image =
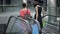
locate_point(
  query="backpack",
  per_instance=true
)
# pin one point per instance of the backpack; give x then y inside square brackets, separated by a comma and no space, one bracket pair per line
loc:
[26,15]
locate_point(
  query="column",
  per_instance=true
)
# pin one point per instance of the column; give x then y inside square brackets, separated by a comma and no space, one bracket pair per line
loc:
[25,1]
[51,4]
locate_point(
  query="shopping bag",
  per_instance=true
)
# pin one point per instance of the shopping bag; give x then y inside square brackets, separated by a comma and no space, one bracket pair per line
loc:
[44,23]
[35,29]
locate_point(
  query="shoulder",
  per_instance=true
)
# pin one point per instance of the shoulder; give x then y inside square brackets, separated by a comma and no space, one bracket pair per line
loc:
[22,9]
[36,7]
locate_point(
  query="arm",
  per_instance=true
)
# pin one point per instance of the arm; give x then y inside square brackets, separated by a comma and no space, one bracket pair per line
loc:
[20,12]
[36,13]
[42,11]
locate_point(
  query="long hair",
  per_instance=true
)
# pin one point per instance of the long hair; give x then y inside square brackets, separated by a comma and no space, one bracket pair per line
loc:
[36,3]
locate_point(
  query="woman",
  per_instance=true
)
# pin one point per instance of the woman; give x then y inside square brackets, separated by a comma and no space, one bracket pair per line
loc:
[24,11]
[38,10]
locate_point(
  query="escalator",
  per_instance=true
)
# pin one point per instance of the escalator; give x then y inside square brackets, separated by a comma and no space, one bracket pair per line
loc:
[52,26]
[11,27]
[17,25]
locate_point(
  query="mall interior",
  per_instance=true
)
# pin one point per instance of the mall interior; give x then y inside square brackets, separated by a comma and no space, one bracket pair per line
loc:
[11,23]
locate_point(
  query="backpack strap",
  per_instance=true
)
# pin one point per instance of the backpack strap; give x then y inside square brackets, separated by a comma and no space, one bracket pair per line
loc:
[26,15]
[27,11]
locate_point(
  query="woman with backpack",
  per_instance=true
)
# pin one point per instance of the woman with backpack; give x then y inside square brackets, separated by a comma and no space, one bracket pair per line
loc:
[24,11]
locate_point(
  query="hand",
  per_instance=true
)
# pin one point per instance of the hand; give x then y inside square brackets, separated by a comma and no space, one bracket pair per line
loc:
[43,14]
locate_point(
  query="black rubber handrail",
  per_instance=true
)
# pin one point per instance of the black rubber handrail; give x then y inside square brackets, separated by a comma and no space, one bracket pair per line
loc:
[10,19]
[48,15]
[51,16]
[42,17]
[45,16]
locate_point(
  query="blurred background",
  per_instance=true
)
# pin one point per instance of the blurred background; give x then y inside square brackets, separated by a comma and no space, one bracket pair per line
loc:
[12,7]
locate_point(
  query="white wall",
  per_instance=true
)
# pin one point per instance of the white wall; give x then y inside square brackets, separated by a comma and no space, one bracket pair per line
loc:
[24,1]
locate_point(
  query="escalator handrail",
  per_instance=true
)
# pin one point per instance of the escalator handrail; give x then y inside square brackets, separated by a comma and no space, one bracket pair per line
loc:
[43,17]
[10,19]
[30,18]
[52,16]
[55,25]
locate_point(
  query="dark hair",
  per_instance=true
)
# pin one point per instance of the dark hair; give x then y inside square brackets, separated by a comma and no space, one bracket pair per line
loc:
[36,3]
[24,4]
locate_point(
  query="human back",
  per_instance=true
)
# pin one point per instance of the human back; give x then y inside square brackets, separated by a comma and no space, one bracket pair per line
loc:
[39,11]
[24,11]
